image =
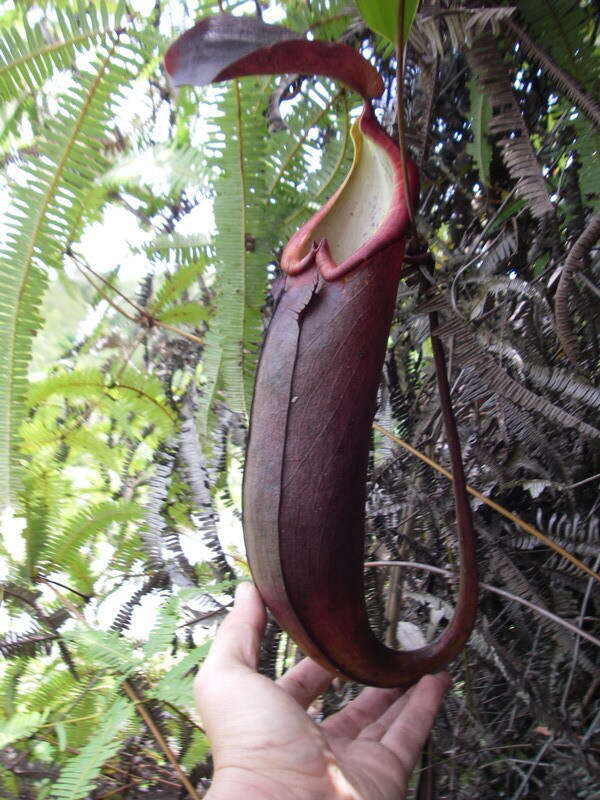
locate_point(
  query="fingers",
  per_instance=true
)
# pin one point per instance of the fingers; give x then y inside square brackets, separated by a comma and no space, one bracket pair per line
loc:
[379,726]
[305,681]
[237,642]
[370,704]
[407,733]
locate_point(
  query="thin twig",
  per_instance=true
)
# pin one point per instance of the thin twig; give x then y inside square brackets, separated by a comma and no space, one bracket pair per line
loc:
[110,302]
[72,609]
[142,313]
[492,504]
[496,590]
[586,597]
[534,764]
[178,331]
[139,704]
[118,790]
[579,483]
[109,285]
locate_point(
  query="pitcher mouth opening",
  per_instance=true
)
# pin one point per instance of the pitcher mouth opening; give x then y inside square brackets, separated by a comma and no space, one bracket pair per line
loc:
[367,213]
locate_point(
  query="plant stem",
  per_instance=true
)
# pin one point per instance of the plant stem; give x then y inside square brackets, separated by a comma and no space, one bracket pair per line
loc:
[400,48]
[139,704]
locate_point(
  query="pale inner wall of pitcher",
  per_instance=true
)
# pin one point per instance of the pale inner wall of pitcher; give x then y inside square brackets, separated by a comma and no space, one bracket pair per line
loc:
[362,205]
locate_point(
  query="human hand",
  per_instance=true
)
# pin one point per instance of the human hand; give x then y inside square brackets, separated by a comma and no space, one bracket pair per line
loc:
[266,746]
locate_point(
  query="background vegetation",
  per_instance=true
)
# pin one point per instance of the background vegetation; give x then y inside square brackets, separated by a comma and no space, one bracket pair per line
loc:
[127,361]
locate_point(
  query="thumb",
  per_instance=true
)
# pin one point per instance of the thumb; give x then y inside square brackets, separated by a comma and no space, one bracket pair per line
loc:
[237,642]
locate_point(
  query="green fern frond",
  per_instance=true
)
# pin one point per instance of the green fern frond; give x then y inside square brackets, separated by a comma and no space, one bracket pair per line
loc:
[9,784]
[12,673]
[563,29]
[87,383]
[174,285]
[29,58]
[128,550]
[176,685]
[39,222]
[79,774]
[41,437]
[480,149]
[87,443]
[81,576]
[167,619]
[62,548]
[42,497]
[242,248]
[54,690]
[196,752]
[587,144]
[19,726]
[142,395]
[106,649]
[162,633]
[174,169]
[86,703]
[182,249]
[128,392]
[190,313]
[332,17]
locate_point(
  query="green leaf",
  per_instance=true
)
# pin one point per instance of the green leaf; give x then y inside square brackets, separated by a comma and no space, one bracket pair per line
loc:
[105,649]
[587,143]
[506,213]
[27,61]
[162,634]
[197,751]
[382,16]
[481,148]
[561,27]
[88,383]
[167,619]
[62,547]
[176,685]
[78,776]
[61,735]
[190,313]
[187,250]
[242,247]
[45,209]
[19,727]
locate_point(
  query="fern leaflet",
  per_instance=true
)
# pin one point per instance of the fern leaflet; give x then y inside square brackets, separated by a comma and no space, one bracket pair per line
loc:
[79,773]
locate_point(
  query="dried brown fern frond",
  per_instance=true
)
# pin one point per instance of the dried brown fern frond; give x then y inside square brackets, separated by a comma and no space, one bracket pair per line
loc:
[468,351]
[575,261]
[462,25]
[558,380]
[507,122]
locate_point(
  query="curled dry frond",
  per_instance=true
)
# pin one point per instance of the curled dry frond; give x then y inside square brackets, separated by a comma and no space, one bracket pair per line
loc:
[463,26]
[508,123]
[575,261]
[469,352]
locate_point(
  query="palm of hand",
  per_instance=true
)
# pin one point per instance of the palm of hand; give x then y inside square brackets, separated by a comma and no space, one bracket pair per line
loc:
[266,745]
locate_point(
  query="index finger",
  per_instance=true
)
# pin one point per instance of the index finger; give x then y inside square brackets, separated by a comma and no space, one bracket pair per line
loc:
[406,735]
[237,642]
[305,681]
